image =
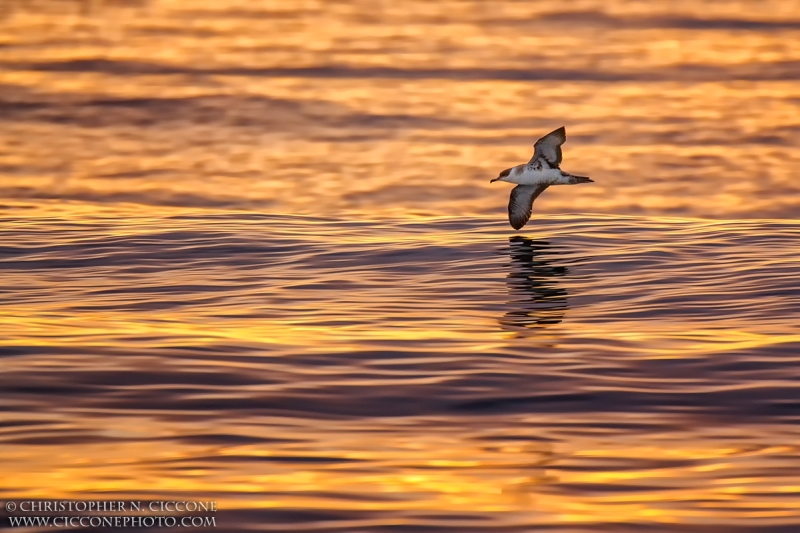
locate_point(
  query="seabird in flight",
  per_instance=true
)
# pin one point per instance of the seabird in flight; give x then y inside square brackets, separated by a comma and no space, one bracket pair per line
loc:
[537,175]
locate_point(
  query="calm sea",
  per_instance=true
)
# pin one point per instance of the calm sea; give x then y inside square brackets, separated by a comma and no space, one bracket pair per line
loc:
[249,254]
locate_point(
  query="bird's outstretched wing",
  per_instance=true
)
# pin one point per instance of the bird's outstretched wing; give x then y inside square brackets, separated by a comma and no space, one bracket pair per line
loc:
[548,148]
[521,203]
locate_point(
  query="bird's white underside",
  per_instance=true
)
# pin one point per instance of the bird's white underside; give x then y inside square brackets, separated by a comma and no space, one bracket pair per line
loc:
[525,175]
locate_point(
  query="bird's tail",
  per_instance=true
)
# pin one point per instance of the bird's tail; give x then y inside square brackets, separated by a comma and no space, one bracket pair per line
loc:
[573,179]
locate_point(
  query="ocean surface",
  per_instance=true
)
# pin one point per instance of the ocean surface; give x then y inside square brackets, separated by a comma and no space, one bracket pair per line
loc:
[249,253]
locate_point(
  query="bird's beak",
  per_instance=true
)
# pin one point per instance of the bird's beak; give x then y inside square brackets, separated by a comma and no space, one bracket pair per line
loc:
[493,180]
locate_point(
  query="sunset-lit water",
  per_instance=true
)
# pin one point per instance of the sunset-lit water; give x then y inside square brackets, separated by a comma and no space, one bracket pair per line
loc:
[249,253]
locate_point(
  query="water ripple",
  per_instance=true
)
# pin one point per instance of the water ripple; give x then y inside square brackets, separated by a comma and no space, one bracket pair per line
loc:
[597,360]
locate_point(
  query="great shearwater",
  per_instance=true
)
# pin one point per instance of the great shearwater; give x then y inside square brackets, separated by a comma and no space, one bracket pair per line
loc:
[537,175]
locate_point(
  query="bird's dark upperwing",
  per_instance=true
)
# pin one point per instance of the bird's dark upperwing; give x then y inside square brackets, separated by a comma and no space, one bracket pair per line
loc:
[548,148]
[521,203]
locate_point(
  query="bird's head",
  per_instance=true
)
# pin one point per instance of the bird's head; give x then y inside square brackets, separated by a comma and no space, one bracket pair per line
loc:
[503,175]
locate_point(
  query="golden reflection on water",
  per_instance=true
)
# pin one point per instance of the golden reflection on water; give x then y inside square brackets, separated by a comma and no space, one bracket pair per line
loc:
[577,480]
[250,252]
[186,103]
[532,312]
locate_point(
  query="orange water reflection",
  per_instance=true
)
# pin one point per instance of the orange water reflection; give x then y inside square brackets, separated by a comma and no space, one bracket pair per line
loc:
[250,251]
[249,441]
[318,109]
